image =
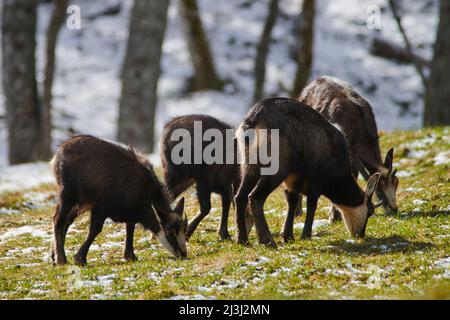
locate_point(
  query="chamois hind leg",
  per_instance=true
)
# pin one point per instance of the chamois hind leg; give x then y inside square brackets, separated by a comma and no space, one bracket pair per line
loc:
[227,197]
[334,215]
[299,210]
[265,186]
[311,206]
[244,220]
[61,219]
[293,199]
[129,250]
[204,198]
[97,221]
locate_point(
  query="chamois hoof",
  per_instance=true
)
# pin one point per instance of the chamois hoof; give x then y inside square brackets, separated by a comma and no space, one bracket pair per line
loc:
[269,242]
[335,216]
[224,236]
[306,235]
[130,257]
[80,261]
[243,242]
[60,262]
[288,238]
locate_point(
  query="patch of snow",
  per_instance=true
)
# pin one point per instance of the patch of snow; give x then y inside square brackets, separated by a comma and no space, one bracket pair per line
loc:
[377,278]
[417,154]
[36,200]
[24,176]
[23,230]
[404,174]
[9,211]
[418,202]
[319,223]
[442,158]
[420,143]
[102,281]
[29,265]
[260,260]
[39,291]
[221,285]
[445,265]
[106,245]
[411,189]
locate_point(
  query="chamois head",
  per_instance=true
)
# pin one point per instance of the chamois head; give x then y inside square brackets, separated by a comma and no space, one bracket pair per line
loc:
[387,186]
[356,218]
[172,232]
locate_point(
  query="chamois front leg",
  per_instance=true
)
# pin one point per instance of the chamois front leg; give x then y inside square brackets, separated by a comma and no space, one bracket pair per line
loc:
[311,206]
[293,200]
[129,249]
[204,198]
[334,215]
[265,186]
[95,228]
[226,203]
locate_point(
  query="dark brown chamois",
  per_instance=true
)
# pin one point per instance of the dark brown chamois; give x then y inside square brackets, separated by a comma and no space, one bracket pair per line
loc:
[341,105]
[112,181]
[313,161]
[221,177]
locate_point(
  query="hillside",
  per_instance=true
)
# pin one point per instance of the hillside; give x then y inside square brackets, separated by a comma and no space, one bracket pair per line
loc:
[403,256]
[87,83]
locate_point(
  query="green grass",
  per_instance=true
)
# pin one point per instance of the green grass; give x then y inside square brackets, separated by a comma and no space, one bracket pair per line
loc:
[396,260]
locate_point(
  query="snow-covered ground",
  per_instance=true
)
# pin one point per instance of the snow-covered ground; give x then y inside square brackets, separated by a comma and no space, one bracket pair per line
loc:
[87,84]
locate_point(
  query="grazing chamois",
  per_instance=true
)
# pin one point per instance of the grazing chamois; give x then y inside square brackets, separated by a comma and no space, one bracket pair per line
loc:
[342,106]
[313,161]
[112,181]
[221,178]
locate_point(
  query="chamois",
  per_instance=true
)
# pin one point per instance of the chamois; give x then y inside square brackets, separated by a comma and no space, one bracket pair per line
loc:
[111,181]
[221,178]
[341,105]
[313,160]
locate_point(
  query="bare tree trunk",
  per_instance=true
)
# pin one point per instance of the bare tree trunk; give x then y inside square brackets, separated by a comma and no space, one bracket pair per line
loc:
[141,72]
[205,76]
[305,48]
[398,19]
[263,49]
[57,19]
[18,23]
[437,100]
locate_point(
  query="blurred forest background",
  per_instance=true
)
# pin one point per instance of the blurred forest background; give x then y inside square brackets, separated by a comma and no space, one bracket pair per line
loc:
[120,69]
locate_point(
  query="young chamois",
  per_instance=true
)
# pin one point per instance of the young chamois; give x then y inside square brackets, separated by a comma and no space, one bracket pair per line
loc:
[220,178]
[112,181]
[341,105]
[313,161]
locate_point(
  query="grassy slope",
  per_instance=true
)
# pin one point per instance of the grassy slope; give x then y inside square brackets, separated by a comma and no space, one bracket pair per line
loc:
[397,259]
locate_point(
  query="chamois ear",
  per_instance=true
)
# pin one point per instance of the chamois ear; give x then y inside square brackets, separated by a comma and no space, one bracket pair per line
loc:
[389,159]
[179,208]
[372,184]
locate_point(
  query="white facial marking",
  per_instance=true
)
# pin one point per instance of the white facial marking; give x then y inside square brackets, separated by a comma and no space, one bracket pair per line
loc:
[163,239]
[354,217]
[390,194]
[181,239]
